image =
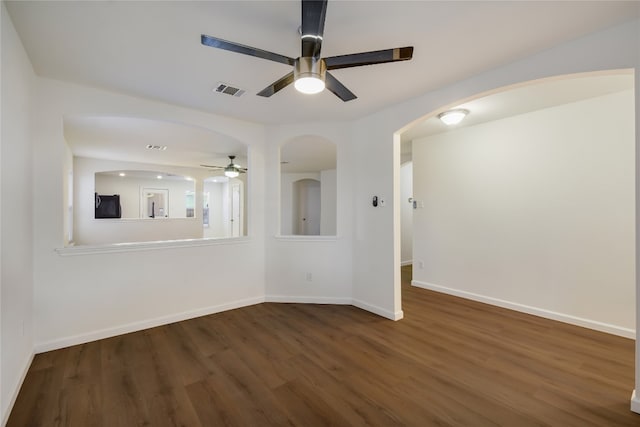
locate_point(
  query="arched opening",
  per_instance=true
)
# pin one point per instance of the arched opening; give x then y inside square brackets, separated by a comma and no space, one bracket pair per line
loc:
[529,202]
[308,187]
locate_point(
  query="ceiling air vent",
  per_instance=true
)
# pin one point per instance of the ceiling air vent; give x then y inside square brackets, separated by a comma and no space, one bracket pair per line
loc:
[229,90]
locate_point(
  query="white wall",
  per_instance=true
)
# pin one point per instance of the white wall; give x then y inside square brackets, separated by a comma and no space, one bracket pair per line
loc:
[328,199]
[68,199]
[292,260]
[534,211]
[16,249]
[123,291]
[376,271]
[377,167]
[406,213]
[635,400]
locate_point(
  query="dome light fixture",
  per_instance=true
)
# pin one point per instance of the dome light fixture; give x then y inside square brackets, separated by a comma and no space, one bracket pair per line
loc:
[309,75]
[453,117]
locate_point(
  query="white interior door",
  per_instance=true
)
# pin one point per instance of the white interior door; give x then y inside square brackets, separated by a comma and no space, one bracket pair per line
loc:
[236,221]
[307,207]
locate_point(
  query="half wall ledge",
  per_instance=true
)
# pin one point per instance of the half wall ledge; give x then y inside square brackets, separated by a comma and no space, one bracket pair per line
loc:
[145,246]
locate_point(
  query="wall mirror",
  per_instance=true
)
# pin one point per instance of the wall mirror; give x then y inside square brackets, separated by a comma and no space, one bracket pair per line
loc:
[143,195]
[308,193]
[140,180]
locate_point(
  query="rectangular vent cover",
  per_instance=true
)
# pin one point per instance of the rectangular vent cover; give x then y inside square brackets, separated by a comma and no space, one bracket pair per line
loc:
[229,90]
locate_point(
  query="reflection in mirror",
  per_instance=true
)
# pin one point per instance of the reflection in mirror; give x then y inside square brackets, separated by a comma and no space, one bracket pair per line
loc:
[223,207]
[308,187]
[144,194]
[154,202]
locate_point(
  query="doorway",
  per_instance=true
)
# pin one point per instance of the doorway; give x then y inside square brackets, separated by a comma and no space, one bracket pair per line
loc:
[307,205]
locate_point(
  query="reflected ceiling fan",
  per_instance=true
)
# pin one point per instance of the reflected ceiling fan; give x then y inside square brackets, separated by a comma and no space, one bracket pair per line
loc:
[310,71]
[232,170]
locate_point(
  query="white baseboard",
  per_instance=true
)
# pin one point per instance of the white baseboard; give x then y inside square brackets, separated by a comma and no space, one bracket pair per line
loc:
[16,389]
[307,299]
[547,314]
[145,324]
[408,262]
[635,402]
[164,320]
[378,310]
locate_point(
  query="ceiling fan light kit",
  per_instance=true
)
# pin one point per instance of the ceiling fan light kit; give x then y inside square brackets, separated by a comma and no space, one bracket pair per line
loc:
[309,75]
[310,72]
[232,170]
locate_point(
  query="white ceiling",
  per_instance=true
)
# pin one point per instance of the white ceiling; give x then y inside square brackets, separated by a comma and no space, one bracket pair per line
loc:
[125,139]
[153,50]
[308,154]
[526,98]
[144,175]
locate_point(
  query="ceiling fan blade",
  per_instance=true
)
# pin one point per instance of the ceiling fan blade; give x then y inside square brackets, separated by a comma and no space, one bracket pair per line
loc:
[313,15]
[212,167]
[245,50]
[369,58]
[276,86]
[338,88]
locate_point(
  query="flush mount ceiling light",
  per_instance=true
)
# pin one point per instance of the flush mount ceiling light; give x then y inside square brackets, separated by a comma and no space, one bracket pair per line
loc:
[453,117]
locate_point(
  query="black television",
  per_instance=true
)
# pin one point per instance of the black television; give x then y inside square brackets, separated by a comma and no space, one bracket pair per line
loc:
[108,206]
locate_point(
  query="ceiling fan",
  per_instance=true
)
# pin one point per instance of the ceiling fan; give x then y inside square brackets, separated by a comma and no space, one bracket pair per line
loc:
[310,71]
[232,170]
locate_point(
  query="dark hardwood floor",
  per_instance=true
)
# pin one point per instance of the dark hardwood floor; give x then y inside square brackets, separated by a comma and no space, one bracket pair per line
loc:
[450,362]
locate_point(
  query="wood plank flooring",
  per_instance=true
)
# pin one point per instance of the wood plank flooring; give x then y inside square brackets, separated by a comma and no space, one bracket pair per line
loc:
[450,362]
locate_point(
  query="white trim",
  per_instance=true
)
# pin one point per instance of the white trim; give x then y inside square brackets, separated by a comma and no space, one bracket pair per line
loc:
[305,238]
[635,402]
[307,299]
[16,390]
[144,324]
[144,246]
[378,310]
[547,314]
[164,320]
[408,262]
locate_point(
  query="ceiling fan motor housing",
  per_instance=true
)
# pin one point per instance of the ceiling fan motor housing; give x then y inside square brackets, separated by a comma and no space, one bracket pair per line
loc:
[309,67]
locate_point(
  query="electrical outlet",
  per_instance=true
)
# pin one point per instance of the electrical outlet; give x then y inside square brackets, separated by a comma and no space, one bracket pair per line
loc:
[420,265]
[309,277]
